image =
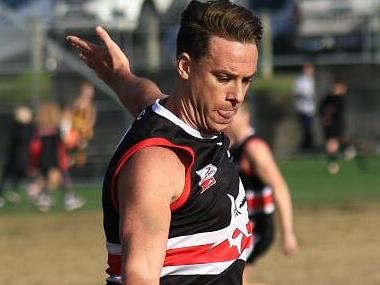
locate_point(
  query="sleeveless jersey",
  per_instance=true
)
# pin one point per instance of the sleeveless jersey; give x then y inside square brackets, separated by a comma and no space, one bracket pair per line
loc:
[209,232]
[259,196]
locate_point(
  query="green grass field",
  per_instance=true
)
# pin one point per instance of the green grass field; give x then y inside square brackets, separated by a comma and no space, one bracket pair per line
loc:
[309,182]
[336,218]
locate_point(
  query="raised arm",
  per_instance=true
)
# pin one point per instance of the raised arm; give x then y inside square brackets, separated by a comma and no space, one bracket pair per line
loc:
[112,66]
[144,206]
[262,161]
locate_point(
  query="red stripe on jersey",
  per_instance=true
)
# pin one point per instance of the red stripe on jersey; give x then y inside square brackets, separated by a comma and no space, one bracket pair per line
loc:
[209,253]
[259,202]
[114,264]
[201,254]
[156,142]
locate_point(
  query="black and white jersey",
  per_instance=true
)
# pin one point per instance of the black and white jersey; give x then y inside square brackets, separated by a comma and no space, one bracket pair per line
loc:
[209,231]
[260,198]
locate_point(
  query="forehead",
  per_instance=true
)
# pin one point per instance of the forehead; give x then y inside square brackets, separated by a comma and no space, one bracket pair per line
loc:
[232,55]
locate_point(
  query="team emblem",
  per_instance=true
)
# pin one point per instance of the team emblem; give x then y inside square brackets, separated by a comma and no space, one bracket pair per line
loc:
[207,176]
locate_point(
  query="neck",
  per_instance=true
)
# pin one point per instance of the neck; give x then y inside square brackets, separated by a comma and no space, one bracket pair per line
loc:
[179,103]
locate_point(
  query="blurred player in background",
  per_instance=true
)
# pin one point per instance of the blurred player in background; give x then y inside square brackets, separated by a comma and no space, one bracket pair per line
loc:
[16,166]
[332,116]
[50,160]
[265,187]
[78,124]
[77,129]
[304,92]
[45,157]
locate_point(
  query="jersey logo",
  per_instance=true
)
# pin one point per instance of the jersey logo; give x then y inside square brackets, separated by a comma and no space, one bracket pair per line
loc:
[240,228]
[207,176]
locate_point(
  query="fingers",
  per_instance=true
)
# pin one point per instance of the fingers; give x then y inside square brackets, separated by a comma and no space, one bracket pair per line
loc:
[290,248]
[79,43]
[113,55]
[112,47]
[93,63]
[84,45]
[104,37]
[84,58]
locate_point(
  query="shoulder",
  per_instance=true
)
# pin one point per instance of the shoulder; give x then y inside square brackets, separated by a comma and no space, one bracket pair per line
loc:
[154,168]
[256,148]
[159,157]
[299,80]
[257,143]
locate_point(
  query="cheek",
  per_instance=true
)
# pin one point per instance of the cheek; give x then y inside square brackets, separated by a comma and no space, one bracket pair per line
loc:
[204,86]
[211,84]
[216,98]
[212,93]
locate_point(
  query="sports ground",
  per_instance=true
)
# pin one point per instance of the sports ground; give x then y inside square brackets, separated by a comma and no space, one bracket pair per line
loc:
[336,218]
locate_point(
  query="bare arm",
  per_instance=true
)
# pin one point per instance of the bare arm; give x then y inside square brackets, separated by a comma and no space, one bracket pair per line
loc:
[112,66]
[262,160]
[145,195]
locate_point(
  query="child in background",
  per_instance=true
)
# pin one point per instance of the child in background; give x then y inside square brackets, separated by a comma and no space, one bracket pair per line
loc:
[16,167]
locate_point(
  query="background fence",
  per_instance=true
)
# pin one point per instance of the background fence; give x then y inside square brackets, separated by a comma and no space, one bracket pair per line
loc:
[36,63]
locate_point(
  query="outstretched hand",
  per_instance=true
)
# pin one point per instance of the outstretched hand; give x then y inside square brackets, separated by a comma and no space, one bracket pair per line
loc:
[107,60]
[289,244]
[112,66]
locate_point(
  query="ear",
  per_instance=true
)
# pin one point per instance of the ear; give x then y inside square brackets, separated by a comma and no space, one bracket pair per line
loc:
[183,65]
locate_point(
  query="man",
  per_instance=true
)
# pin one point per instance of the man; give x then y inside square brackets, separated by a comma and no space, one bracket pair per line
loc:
[304,91]
[332,112]
[174,207]
[265,188]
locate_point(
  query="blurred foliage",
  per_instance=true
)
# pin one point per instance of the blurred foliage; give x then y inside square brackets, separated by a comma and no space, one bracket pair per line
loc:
[17,89]
[271,100]
[275,94]
[277,84]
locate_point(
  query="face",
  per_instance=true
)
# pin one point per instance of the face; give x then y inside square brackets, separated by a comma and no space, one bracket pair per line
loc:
[87,91]
[218,82]
[23,115]
[309,70]
[339,89]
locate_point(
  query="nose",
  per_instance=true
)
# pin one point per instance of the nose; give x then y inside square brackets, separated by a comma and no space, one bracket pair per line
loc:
[236,93]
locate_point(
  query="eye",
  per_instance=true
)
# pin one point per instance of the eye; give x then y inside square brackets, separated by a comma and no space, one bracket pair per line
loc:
[247,80]
[223,78]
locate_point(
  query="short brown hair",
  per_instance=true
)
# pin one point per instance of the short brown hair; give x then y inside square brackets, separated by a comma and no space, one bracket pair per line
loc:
[48,115]
[220,18]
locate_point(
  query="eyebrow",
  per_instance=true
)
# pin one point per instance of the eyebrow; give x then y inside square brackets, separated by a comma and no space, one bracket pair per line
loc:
[222,71]
[252,76]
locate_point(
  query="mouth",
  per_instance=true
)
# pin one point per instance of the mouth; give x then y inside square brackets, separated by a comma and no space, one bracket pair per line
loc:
[227,115]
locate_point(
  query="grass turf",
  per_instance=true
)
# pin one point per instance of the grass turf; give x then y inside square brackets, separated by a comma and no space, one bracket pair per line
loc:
[332,214]
[308,180]
[357,181]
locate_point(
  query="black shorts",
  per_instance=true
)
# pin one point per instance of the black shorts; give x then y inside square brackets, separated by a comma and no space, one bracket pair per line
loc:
[263,233]
[334,131]
[112,283]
